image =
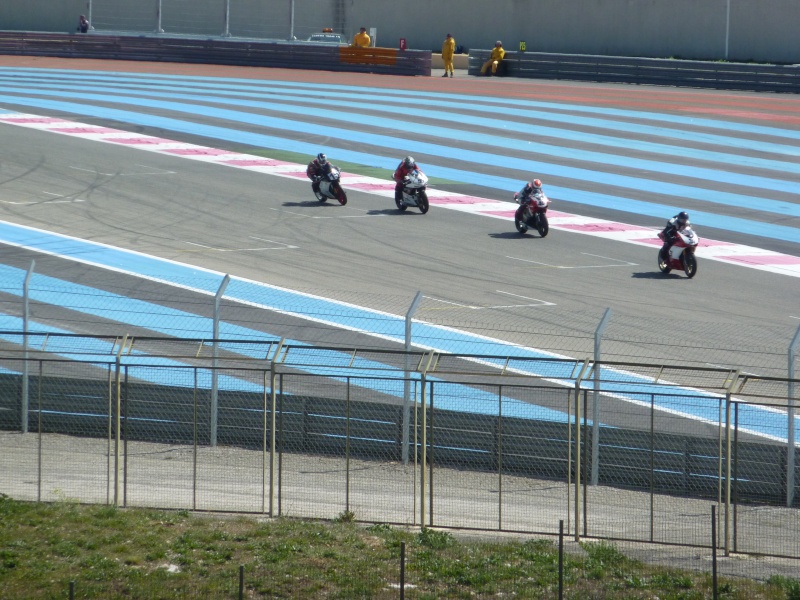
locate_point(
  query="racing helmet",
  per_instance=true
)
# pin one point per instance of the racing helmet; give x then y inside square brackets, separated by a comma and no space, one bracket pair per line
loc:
[683,218]
[409,162]
[536,184]
[322,159]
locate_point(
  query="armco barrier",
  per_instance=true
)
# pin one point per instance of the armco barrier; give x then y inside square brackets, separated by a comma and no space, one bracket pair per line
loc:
[654,71]
[287,55]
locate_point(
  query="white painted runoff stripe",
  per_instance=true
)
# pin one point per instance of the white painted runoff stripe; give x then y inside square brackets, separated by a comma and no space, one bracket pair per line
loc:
[734,254]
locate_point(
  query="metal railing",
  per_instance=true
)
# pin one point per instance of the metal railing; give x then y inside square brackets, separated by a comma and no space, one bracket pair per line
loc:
[487,445]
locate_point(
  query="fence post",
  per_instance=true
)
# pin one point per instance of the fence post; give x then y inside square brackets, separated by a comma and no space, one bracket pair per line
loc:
[407,374]
[158,17]
[273,376]
[226,32]
[598,335]
[241,582]
[402,570]
[561,559]
[587,365]
[714,551]
[25,318]
[118,416]
[728,474]
[790,454]
[214,359]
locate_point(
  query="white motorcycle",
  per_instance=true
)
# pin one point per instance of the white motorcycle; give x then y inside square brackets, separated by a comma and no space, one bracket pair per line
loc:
[329,185]
[681,253]
[414,185]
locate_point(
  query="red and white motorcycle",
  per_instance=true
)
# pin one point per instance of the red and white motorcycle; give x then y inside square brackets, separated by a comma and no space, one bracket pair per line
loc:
[681,253]
[532,213]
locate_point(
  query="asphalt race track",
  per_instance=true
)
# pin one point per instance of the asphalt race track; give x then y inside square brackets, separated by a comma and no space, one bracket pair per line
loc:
[629,155]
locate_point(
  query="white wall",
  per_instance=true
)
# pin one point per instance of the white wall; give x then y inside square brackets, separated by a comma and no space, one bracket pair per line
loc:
[761,30]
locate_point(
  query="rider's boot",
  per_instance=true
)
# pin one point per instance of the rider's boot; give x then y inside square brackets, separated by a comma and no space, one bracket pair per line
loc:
[315,189]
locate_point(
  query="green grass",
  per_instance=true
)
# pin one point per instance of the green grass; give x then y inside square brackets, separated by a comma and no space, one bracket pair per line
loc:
[154,554]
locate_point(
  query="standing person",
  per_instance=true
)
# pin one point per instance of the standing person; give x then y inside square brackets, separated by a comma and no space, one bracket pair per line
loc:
[497,55]
[405,167]
[448,49]
[83,24]
[362,39]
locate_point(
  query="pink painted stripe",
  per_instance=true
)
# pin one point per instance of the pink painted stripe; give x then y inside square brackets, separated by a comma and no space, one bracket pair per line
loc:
[254,162]
[601,227]
[83,130]
[139,141]
[298,174]
[19,120]
[196,151]
[763,259]
[457,200]
[367,187]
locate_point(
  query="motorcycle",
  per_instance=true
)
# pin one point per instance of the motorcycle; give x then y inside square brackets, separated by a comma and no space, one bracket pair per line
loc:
[330,186]
[681,253]
[532,213]
[414,185]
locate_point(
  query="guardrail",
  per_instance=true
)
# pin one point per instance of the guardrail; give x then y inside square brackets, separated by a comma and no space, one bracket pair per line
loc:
[655,71]
[279,54]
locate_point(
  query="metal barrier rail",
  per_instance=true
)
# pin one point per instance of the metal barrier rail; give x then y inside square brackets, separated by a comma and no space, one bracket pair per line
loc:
[656,71]
[221,51]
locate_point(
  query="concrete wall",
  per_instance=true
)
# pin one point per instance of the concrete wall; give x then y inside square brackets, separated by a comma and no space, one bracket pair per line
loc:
[760,30]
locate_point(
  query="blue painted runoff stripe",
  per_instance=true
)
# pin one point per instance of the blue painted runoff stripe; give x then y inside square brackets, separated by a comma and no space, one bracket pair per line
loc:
[506,143]
[416,147]
[172,322]
[756,228]
[376,103]
[475,102]
[118,308]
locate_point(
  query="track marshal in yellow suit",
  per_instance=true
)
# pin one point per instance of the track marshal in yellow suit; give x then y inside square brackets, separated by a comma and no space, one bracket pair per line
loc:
[448,49]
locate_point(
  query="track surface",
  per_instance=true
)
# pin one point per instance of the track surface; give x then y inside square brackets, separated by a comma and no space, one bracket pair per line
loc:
[628,154]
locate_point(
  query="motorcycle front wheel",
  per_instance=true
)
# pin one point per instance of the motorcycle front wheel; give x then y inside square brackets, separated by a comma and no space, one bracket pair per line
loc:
[422,202]
[521,226]
[542,225]
[689,264]
[663,261]
[340,195]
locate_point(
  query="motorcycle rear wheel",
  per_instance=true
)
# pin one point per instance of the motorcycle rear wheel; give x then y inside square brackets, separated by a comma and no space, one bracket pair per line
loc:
[689,264]
[663,262]
[422,202]
[400,205]
[543,226]
[340,195]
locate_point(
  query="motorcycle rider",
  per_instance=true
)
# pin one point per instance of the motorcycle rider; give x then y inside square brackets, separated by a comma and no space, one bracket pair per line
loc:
[315,171]
[527,193]
[674,225]
[406,166]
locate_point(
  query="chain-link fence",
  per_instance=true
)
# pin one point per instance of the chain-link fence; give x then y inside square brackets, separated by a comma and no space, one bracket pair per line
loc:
[617,451]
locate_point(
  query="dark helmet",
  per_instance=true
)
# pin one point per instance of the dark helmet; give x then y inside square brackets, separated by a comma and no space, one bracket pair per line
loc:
[536,184]
[409,162]
[322,159]
[683,217]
